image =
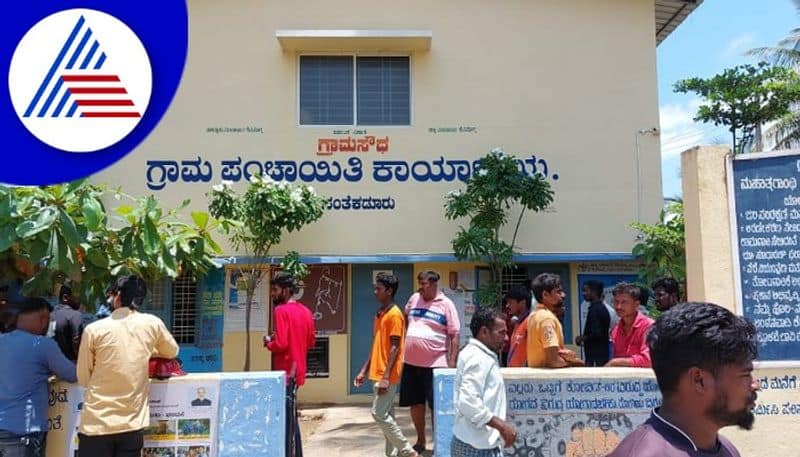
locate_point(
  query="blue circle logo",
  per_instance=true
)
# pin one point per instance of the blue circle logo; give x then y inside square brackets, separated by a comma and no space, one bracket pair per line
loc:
[86,84]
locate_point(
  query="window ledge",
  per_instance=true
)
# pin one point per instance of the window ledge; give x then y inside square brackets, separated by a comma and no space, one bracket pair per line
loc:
[354,40]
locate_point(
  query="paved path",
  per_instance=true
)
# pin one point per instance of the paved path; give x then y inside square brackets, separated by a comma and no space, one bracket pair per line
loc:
[349,431]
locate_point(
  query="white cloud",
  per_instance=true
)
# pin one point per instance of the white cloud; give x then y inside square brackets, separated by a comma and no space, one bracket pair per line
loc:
[739,45]
[679,131]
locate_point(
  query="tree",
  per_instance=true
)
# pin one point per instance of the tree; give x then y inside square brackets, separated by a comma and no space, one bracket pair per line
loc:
[53,234]
[663,246]
[744,97]
[496,187]
[259,218]
[785,54]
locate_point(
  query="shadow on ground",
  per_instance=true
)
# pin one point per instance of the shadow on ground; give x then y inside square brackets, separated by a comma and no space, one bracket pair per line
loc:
[350,431]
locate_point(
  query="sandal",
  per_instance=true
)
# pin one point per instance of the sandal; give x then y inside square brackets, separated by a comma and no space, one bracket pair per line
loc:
[419,448]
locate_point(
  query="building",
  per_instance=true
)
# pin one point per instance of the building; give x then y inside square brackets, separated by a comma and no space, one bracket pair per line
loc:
[384,106]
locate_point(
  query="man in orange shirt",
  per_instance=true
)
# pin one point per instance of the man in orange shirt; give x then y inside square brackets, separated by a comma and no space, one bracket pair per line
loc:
[384,364]
[545,335]
[518,301]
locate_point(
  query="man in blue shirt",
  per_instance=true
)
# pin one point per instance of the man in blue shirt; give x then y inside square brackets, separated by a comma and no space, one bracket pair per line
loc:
[31,357]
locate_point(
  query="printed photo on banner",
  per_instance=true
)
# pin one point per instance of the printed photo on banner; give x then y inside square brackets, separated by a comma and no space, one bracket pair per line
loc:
[161,430]
[193,451]
[158,452]
[194,429]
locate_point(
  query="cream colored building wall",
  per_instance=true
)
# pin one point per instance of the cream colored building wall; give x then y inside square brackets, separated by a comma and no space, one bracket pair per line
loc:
[569,81]
[709,272]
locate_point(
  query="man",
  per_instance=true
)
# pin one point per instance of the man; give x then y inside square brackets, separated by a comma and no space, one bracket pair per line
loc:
[545,343]
[665,292]
[629,336]
[479,426]
[113,367]
[518,305]
[294,335]
[201,399]
[595,330]
[69,323]
[431,342]
[703,359]
[27,359]
[384,363]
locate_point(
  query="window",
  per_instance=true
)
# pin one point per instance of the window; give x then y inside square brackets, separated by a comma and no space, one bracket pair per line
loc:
[348,90]
[184,308]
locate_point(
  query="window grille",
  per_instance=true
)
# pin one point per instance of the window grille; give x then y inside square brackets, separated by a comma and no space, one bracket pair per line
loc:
[184,308]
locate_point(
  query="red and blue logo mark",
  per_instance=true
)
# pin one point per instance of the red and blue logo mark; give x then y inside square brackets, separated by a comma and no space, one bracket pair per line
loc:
[86,83]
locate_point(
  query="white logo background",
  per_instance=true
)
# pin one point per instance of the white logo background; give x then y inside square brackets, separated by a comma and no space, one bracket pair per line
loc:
[34,56]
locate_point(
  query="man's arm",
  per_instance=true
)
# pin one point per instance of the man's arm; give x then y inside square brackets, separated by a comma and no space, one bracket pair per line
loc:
[280,343]
[553,359]
[166,346]
[453,329]
[57,363]
[452,350]
[394,351]
[85,359]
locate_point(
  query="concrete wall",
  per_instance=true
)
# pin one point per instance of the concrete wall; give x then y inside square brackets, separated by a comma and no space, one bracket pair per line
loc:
[710,277]
[574,411]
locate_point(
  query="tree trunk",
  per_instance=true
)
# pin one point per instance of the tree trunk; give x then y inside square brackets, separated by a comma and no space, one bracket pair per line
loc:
[247,308]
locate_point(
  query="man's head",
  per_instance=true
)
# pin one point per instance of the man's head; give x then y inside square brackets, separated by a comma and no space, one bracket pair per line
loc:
[282,287]
[65,297]
[517,300]
[385,287]
[130,291]
[201,393]
[548,291]
[627,298]
[428,281]
[592,291]
[703,359]
[33,315]
[665,292]
[489,328]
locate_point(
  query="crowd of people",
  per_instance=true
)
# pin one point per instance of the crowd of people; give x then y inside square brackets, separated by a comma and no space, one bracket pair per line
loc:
[701,353]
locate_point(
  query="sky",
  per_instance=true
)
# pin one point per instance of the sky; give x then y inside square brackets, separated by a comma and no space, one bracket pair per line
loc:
[715,37]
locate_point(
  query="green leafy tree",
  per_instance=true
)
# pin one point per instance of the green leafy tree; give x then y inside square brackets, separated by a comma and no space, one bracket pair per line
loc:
[743,98]
[662,246]
[494,190]
[261,215]
[786,54]
[53,234]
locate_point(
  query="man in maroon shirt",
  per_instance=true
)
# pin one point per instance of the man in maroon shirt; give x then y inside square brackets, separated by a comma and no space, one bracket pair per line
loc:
[703,359]
[289,344]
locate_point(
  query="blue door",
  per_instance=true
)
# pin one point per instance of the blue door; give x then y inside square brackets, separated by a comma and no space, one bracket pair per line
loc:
[363,311]
[561,269]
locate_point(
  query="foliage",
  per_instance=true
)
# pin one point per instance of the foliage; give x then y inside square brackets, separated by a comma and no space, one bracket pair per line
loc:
[497,187]
[52,234]
[744,97]
[663,246]
[256,220]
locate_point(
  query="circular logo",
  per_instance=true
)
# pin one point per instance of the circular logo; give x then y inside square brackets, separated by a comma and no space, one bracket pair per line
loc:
[80,80]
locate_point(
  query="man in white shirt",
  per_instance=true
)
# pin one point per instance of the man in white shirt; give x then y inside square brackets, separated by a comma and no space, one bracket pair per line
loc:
[480,394]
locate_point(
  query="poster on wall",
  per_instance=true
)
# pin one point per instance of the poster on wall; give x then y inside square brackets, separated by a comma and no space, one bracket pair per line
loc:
[183,419]
[459,286]
[236,301]
[324,292]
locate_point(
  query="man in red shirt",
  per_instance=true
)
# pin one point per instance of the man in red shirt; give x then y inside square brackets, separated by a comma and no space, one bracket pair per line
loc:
[289,344]
[629,336]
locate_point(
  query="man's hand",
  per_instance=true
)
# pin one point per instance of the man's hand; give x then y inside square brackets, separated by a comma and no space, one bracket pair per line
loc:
[383,386]
[568,354]
[509,434]
[359,379]
[580,339]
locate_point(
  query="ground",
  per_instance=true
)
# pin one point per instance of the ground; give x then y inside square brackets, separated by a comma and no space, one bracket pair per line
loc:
[349,431]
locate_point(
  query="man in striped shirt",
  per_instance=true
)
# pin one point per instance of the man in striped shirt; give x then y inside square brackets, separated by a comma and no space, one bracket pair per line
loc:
[431,342]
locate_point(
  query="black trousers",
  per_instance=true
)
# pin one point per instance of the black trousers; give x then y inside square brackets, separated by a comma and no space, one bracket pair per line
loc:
[294,448]
[128,444]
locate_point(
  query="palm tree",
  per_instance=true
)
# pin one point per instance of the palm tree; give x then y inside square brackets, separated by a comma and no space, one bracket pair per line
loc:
[786,130]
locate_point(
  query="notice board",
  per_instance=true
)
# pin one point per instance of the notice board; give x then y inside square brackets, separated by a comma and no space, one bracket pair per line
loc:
[765,218]
[324,292]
